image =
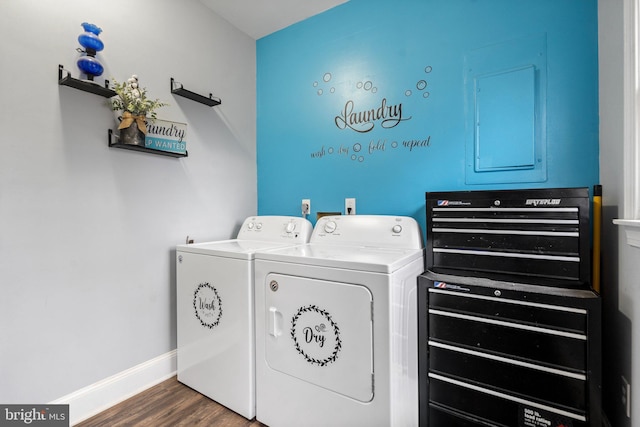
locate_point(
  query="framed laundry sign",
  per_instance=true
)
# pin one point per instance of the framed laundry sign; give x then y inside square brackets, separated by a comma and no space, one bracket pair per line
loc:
[164,135]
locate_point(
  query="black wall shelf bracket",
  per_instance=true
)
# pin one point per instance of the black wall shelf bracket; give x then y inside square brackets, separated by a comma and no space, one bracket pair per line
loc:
[83,85]
[181,91]
[114,142]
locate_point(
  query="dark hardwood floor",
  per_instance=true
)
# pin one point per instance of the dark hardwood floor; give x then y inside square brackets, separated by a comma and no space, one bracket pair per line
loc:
[169,403]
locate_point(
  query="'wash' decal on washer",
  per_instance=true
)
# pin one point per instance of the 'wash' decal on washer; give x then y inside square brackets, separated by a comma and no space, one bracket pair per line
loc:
[208,305]
[315,335]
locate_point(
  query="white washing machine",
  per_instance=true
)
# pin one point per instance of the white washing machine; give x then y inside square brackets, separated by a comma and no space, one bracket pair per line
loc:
[215,309]
[336,325]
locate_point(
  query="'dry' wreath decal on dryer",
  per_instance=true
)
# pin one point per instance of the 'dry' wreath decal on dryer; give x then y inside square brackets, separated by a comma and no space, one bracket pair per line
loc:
[318,343]
[208,305]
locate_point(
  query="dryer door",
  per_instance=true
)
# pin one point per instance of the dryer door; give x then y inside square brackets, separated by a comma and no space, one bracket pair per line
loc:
[321,332]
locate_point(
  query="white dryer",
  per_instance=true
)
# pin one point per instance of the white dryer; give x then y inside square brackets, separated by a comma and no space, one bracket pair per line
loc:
[215,309]
[336,325]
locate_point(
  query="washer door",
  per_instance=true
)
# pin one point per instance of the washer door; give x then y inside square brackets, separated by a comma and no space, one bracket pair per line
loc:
[321,332]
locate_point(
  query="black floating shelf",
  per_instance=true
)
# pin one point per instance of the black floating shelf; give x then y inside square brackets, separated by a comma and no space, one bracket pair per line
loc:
[84,85]
[181,91]
[139,148]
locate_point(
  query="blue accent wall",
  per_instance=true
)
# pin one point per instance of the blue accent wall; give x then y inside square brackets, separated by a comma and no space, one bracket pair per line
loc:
[370,100]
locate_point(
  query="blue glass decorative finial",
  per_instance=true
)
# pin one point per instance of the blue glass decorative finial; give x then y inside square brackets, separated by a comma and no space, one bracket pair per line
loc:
[92,44]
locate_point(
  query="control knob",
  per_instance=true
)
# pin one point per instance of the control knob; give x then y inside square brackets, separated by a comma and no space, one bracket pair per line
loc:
[330,226]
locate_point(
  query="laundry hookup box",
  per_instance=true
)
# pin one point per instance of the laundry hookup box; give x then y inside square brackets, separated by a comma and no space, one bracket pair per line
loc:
[164,135]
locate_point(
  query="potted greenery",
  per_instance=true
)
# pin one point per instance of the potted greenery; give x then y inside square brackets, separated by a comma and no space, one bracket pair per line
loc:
[132,100]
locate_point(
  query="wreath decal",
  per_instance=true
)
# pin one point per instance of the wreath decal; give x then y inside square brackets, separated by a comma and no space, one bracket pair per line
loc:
[198,301]
[336,331]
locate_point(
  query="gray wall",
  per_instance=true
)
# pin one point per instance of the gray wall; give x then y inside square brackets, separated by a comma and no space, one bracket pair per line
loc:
[87,232]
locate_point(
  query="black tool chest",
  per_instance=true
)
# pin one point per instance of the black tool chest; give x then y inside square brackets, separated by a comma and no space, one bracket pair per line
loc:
[501,345]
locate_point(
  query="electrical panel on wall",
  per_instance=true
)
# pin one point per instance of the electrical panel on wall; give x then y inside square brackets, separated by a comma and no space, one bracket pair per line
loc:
[505,88]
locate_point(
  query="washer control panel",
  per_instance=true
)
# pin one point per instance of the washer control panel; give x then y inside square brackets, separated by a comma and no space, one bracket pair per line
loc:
[276,228]
[368,230]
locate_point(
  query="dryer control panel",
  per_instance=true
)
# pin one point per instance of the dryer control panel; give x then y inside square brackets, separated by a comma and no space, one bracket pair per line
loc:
[368,230]
[289,229]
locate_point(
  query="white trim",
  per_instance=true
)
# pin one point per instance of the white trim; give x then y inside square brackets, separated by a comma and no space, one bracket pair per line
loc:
[97,397]
[631,95]
[631,165]
[631,229]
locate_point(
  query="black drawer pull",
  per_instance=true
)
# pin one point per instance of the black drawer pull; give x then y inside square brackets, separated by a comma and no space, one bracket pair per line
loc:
[510,301]
[505,396]
[510,324]
[581,377]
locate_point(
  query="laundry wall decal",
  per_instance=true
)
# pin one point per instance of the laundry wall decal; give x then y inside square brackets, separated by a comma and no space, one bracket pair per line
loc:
[363,121]
[365,112]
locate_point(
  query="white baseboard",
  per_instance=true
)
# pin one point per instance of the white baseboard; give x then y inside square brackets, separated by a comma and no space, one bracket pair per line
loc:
[97,397]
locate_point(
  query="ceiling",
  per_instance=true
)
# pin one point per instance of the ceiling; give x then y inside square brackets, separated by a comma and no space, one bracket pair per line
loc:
[259,18]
